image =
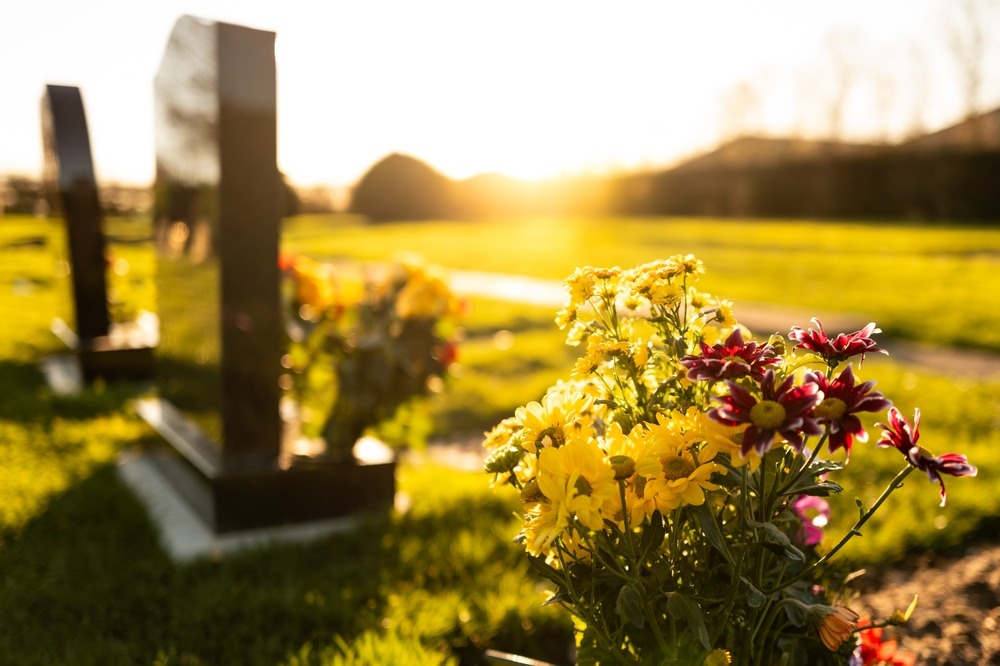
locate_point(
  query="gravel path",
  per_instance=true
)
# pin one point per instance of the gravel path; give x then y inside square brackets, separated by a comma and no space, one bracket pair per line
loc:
[957,619]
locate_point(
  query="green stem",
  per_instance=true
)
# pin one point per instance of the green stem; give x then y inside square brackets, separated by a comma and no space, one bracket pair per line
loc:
[793,479]
[628,528]
[854,531]
[766,621]
[651,618]
[599,629]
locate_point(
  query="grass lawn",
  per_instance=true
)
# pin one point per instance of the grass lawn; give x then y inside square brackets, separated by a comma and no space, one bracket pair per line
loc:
[82,580]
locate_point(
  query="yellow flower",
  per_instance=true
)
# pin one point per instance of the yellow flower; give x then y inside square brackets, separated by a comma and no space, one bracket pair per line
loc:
[592,359]
[666,295]
[698,299]
[622,451]
[555,421]
[689,264]
[670,475]
[580,286]
[725,314]
[640,353]
[653,282]
[718,438]
[314,284]
[545,526]
[681,482]
[565,318]
[577,475]
[424,295]
[718,657]
[616,442]
[656,440]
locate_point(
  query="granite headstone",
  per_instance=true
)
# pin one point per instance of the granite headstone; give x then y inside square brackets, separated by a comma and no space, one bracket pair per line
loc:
[122,350]
[217,229]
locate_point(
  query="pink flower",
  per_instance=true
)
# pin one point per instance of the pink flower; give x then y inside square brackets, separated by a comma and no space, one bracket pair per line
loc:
[901,435]
[841,401]
[839,348]
[785,411]
[814,512]
[731,359]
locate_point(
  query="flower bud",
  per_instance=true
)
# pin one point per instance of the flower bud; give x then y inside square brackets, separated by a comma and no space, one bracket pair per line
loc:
[503,459]
[777,341]
[899,616]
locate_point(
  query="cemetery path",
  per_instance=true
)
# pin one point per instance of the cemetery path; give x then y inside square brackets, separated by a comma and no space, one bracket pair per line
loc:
[764,319]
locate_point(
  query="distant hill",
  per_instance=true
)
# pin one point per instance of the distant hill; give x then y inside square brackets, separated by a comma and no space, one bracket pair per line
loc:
[950,174]
[981,133]
[759,152]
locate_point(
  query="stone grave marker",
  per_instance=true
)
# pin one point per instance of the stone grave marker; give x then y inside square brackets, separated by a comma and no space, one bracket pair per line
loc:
[112,350]
[217,231]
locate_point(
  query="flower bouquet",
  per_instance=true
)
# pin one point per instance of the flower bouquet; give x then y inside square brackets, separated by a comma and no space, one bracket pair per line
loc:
[672,487]
[363,343]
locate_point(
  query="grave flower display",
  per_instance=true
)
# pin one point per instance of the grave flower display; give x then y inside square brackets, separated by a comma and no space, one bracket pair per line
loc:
[363,342]
[673,485]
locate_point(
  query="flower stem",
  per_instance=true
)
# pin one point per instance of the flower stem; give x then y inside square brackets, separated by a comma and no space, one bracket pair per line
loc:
[853,532]
[791,481]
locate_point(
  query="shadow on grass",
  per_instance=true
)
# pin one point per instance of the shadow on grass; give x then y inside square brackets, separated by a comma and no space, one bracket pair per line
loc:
[85,582]
[25,397]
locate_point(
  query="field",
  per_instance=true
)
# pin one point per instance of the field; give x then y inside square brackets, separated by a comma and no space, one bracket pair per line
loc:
[930,283]
[84,582]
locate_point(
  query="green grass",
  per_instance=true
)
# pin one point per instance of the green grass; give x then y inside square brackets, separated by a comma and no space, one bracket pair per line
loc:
[82,580]
[928,283]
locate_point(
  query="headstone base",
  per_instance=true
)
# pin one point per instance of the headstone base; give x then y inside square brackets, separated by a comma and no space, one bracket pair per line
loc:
[228,500]
[126,353]
[186,537]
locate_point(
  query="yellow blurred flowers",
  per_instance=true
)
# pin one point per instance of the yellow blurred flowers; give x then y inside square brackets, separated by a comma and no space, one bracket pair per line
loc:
[363,340]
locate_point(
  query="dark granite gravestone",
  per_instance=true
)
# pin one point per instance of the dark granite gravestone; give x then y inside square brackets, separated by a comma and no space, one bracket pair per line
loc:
[104,349]
[217,225]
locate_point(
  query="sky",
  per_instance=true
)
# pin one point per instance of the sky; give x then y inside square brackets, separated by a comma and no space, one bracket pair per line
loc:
[529,88]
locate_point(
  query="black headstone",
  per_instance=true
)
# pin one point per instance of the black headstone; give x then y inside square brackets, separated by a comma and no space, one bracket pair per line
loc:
[104,349]
[217,228]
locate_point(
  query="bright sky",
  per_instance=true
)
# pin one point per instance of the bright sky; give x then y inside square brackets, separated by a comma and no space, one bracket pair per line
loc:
[531,88]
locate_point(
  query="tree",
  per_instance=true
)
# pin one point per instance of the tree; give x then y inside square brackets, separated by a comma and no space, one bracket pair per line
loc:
[844,47]
[967,38]
[400,187]
[740,111]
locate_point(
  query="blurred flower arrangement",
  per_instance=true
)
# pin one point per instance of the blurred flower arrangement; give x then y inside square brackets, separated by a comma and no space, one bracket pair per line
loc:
[363,343]
[672,487]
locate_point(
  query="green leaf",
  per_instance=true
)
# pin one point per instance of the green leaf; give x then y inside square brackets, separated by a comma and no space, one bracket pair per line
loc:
[545,571]
[558,598]
[777,541]
[755,597]
[711,529]
[652,537]
[629,605]
[819,489]
[820,466]
[679,607]
[795,614]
